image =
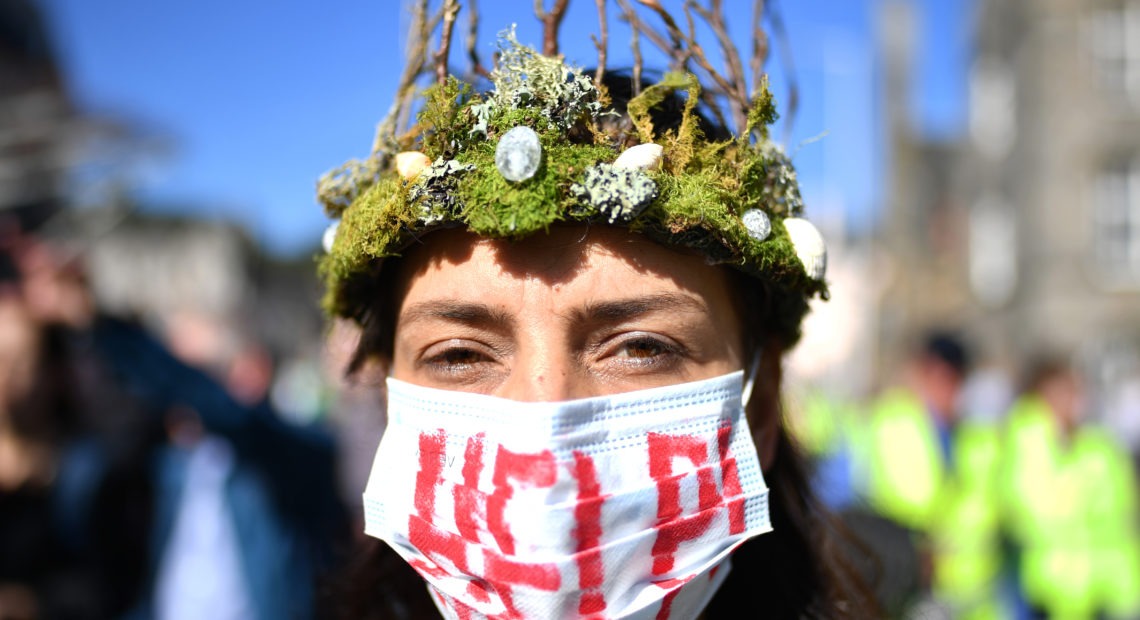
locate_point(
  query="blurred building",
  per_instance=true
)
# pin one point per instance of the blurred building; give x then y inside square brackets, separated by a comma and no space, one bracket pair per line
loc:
[65,175]
[1027,229]
[203,281]
[35,115]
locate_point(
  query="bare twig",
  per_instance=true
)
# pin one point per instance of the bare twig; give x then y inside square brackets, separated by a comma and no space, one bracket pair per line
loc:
[781,35]
[677,49]
[550,23]
[759,45]
[714,17]
[602,44]
[416,54]
[450,10]
[656,38]
[477,67]
[629,17]
[698,54]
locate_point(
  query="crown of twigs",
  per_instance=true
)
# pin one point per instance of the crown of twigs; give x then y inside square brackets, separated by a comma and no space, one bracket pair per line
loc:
[539,149]
[726,87]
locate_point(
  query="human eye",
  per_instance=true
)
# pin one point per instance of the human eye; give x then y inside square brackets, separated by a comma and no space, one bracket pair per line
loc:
[644,351]
[456,358]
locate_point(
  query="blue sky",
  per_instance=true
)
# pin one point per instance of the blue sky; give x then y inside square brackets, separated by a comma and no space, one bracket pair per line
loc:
[259,98]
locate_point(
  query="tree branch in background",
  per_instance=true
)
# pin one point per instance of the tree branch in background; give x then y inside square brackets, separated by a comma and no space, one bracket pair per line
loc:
[450,10]
[550,23]
[601,44]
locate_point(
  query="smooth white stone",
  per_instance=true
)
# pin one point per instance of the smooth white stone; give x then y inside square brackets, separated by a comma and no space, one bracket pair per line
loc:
[641,157]
[809,244]
[409,164]
[518,154]
[757,224]
[329,237]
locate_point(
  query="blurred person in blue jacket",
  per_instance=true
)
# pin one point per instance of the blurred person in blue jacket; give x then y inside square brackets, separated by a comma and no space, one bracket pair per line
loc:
[222,509]
[928,468]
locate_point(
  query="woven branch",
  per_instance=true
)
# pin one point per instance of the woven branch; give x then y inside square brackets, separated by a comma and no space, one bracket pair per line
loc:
[781,35]
[759,45]
[477,67]
[602,44]
[728,88]
[550,24]
[450,10]
[714,17]
[416,54]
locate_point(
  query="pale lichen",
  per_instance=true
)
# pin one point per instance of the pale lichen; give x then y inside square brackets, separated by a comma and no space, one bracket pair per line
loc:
[620,194]
[434,191]
[525,79]
[339,187]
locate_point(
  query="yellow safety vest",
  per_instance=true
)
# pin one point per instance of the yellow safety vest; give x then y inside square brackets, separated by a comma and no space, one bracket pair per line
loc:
[819,424]
[1072,509]
[907,480]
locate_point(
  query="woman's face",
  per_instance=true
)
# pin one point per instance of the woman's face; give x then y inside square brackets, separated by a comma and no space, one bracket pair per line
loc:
[579,312]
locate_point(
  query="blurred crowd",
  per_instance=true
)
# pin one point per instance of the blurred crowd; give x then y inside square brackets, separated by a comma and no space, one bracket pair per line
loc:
[141,476]
[158,473]
[981,494]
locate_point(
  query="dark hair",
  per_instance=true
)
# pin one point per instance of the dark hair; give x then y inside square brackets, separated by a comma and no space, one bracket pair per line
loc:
[1042,368]
[948,348]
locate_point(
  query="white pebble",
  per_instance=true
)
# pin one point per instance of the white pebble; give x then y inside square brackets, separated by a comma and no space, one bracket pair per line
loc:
[809,244]
[409,164]
[757,224]
[518,154]
[329,237]
[641,157]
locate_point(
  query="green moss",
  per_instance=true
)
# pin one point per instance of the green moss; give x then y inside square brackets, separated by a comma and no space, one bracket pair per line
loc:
[497,207]
[442,122]
[762,113]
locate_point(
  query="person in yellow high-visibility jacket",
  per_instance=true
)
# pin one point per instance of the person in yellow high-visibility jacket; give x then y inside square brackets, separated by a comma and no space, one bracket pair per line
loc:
[927,469]
[1071,501]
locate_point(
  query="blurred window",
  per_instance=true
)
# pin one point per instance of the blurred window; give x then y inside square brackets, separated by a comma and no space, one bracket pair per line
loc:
[1116,213]
[1114,42]
[993,100]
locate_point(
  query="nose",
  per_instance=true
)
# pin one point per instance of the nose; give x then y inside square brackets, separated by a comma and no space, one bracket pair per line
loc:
[542,378]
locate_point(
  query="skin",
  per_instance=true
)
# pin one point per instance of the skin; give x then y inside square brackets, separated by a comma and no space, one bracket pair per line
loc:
[940,386]
[576,313]
[1063,393]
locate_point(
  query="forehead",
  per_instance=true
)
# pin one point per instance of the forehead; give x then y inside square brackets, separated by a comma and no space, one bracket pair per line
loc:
[573,260]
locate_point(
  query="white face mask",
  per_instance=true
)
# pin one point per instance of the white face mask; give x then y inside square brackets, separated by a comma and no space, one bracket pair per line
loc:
[622,506]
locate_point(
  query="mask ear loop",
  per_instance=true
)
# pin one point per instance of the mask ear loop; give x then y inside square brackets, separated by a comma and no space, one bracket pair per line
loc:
[750,380]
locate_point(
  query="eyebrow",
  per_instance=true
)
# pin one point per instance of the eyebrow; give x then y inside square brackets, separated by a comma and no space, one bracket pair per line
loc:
[456,312]
[611,311]
[624,309]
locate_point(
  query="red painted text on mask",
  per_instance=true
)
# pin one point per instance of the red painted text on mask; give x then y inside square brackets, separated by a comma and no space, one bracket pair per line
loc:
[501,574]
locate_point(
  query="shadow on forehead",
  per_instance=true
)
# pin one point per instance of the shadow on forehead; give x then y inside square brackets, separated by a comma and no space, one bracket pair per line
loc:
[558,256]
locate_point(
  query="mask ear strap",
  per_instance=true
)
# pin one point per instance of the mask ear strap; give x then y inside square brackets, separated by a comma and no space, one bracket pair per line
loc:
[750,378]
